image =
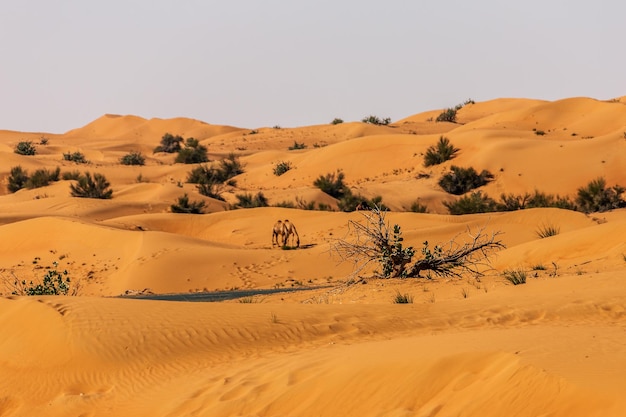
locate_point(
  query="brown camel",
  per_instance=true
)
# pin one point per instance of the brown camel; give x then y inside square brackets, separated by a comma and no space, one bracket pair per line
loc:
[290,231]
[278,232]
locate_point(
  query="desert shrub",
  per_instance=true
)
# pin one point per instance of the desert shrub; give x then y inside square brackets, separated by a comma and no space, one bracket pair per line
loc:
[375,120]
[461,180]
[249,201]
[77,157]
[448,115]
[297,146]
[229,167]
[25,148]
[285,204]
[91,187]
[192,153]
[547,230]
[476,202]
[282,167]
[332,184]
[350,202]
[183,205]
[540,132]
[511,202]
[376,242]
[597,197]
[403,298]
[418,207]
[336,121]
[70,175]
[439,153]
[133,158]
[43,177]
[169,144]
[17,179]
[44,141]
[53,283]
[515,276]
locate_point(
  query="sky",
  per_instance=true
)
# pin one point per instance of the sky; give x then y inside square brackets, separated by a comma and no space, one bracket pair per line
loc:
[258,63]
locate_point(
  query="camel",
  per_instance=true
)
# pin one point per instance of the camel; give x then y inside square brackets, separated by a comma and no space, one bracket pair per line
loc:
[278,231]
[284,230]
[290,231]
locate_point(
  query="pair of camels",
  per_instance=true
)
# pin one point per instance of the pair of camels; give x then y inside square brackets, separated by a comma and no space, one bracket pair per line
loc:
[284,230]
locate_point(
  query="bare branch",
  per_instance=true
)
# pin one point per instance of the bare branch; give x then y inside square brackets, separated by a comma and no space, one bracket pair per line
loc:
[375,241]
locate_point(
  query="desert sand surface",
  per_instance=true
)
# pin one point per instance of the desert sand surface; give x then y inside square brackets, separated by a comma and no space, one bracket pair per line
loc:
[339,346]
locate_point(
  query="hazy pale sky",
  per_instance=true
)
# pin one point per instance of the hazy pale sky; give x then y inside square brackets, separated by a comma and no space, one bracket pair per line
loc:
[255,63]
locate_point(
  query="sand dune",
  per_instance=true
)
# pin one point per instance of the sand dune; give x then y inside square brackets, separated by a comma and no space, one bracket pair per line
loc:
[468,346]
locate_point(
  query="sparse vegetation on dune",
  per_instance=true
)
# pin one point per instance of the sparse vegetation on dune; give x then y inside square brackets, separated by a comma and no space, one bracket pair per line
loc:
[88,186]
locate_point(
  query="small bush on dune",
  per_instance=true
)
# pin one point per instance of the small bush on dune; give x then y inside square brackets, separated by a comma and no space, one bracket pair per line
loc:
[91,187]
[25,148]
[183,205]
[169,144]
[476,202]
[375,120]
[448,115]
[54,282]
[17,179]
[70,175]
[418,207]
[403,298]
[192,153]
[133,158]
[250,201]
[282,167]
[210,180]
[597,197]
[43,177]
[332,184]
[77,157]
[439,153]
[461,180]
[336,121]
[547,230]
[297,146]
[515,276]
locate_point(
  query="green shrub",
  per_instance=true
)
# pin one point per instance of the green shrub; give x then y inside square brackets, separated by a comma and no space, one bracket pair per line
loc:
[169,144]
[439,153]
[596,197]
[403,298]
[229,167]
[17,179]
[547,230]
[91,187]
[332,184]
[297,146]
[77,157]
[70,175]
[43,177]
[461,180]
[25,148]
[53,283]
[282,167]
[250,201]
[375,120]
[133,158]
[336,121]
[185,206]
[515,276]
[418,207]
[448,115]
[192,153]
[476,202]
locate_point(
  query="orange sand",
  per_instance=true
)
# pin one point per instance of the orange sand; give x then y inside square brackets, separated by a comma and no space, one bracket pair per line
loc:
[465,347]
